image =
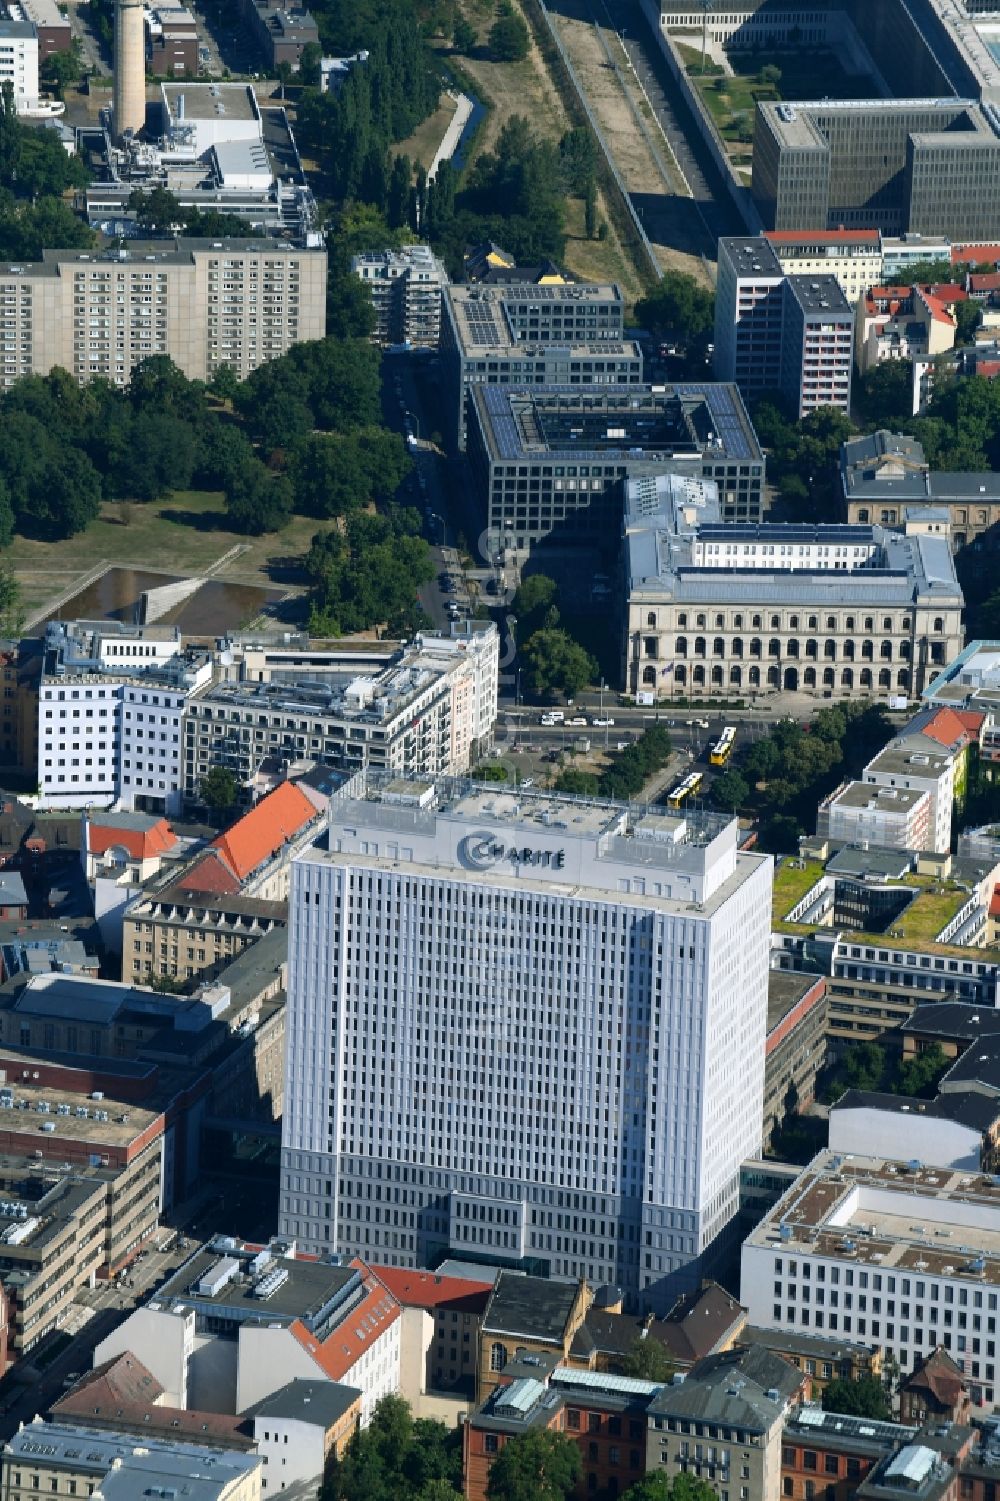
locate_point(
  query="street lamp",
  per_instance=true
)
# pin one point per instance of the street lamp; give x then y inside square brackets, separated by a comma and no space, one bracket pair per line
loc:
[706,6]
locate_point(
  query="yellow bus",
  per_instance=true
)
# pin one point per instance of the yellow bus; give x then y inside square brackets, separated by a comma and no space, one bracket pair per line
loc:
[723,747]
[685,789]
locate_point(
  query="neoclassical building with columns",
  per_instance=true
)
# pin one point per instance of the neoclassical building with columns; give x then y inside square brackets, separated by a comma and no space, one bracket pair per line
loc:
[733,610]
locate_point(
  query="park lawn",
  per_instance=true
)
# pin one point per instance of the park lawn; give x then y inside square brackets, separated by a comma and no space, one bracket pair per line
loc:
[425,140]
[791,882]
[181,535]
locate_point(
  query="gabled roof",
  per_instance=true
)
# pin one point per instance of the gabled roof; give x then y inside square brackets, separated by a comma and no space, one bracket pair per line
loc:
[260,833]
[355,1334]
[211,873]
[140,834]
[115,1383]
[418,1289]
[939,1375]
[952,728]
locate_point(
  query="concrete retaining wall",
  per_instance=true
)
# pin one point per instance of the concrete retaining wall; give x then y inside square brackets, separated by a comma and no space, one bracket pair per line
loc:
[745,206]
[155,603]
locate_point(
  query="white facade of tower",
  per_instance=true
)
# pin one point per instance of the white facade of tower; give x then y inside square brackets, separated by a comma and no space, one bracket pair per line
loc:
[527,1031]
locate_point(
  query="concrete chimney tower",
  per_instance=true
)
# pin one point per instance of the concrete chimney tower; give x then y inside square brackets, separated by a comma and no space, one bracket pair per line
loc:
[129,97]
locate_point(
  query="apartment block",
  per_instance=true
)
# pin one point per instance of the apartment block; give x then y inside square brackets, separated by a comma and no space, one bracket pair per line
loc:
[239,1321]
[776,331]
[854,257]
[110,706]
[71,1459]
[530,334]
[890,930]
[896,818]
[528,876]
[424,712]
[19,61]
[51,26]
[81,1191]
[886,478]
[886,1250]
[192,935]
[235,303]
[729,608]
[906,323]
[407,286]
[280,30]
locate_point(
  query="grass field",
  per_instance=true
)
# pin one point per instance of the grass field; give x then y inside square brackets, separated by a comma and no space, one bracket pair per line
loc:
[425,140]
[814,73]
[184,535]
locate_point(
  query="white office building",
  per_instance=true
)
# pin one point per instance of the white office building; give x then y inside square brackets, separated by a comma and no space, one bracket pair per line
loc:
[19,62]
[888,1251]
[110,706]
[524,1028]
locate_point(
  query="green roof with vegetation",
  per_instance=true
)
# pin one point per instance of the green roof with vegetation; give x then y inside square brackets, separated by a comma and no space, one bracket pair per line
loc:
[792,880]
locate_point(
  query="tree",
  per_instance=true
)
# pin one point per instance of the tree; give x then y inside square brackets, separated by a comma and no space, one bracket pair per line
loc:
[730,790]
[533,597]
[679,306]
[579,783]
[508,39]
[967,316]
[157,209]
[861,1399]
[885,393]
[63,68]
[646,1360]
[258,501]
[11,611]
[218,790]
[159,456]
[770,74]
[309,65]
[683,1487]
[918,1077]
[536,1466]
[463,35]
[556,664]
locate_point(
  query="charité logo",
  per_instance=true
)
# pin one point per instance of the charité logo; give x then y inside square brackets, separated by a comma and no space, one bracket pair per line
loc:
[483,850]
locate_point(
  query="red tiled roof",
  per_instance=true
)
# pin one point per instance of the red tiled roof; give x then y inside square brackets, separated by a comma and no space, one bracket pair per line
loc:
[951,727]
[988,282]
[262,831]
[141,844]
[356,1333]
[417,1289]
[977,254]
[211,874]
[995,902]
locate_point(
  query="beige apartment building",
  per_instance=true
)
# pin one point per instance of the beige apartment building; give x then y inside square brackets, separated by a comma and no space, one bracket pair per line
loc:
[205,304]
[190,935]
